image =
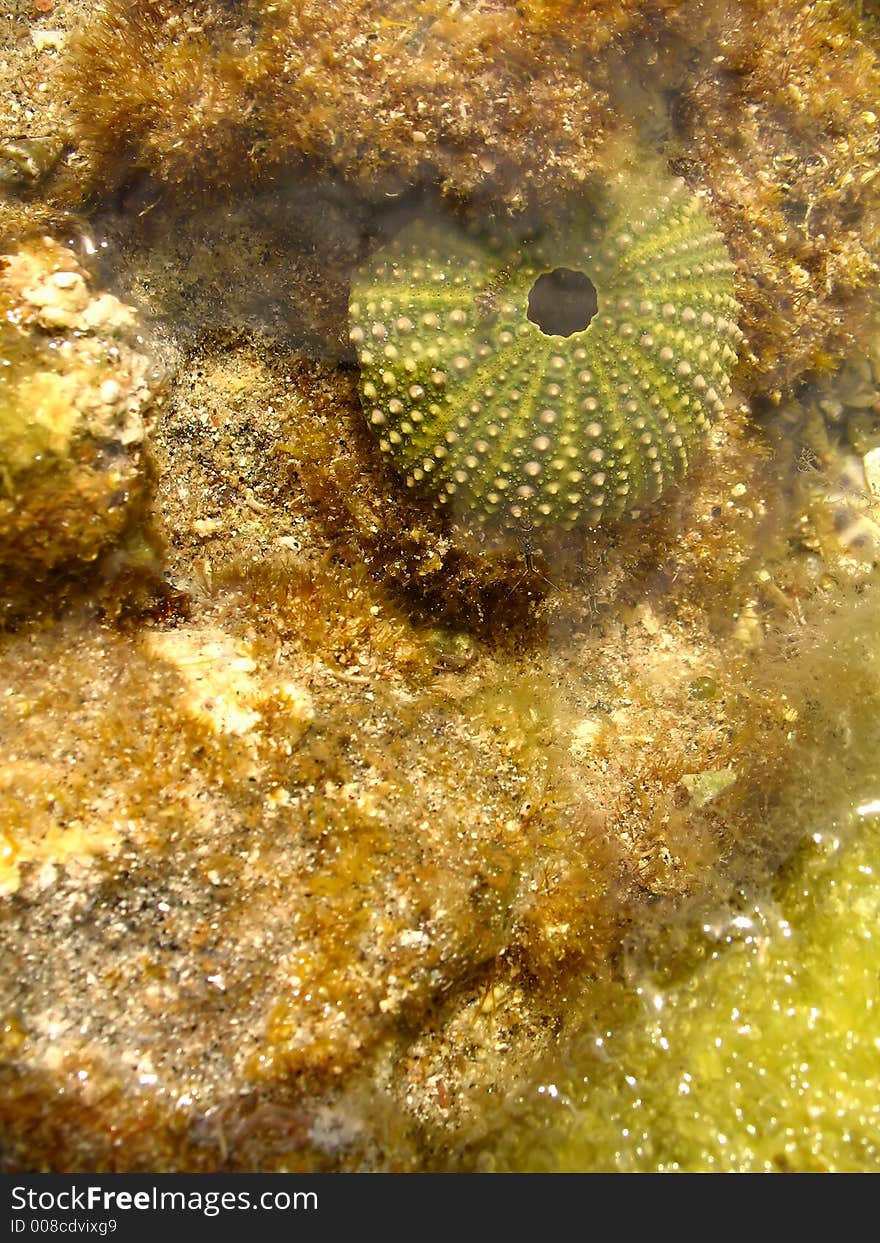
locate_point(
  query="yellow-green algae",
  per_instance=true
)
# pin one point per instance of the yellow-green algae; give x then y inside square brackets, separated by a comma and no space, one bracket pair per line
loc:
[755,1049]
[765,1060]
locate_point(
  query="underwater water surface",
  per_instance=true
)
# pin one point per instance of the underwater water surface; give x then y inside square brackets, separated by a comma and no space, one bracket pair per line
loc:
[439,484]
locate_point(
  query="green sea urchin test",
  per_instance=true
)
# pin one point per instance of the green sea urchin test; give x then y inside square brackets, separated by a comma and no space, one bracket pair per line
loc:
[563,379]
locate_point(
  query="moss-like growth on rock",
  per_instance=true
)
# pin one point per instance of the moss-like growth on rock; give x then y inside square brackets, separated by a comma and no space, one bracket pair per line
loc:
[74,391]
[509,106]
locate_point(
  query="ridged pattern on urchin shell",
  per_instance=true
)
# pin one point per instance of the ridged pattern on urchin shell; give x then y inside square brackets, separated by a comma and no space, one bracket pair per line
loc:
[495,419]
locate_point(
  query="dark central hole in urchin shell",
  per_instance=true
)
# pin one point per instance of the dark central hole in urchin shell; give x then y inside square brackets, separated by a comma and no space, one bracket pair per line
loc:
[562,302]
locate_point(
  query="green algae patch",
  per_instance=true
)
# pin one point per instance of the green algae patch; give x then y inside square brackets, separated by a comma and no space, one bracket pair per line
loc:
[743,1036]
[765,1060]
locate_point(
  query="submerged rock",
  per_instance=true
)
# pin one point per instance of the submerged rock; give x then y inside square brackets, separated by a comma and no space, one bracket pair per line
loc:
[76,386]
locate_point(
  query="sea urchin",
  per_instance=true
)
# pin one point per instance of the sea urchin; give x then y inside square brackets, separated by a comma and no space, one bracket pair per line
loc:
[562,379]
